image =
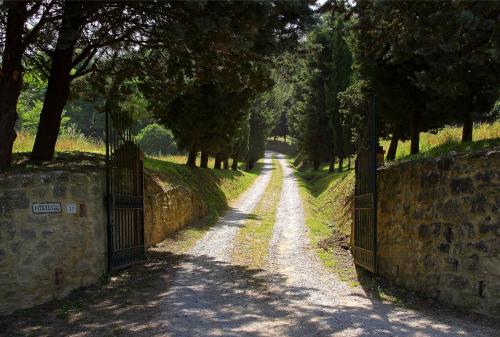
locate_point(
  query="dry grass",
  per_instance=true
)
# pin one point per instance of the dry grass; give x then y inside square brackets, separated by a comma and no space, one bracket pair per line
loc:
[174,158]
[65,143]
[75,142]
[448,135]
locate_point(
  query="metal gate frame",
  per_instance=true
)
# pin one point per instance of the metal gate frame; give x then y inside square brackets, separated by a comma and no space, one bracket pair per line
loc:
[364,227]
[124,193]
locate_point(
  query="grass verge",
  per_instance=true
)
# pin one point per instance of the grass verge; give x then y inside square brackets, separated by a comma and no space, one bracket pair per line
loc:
[328,215]
[252,242]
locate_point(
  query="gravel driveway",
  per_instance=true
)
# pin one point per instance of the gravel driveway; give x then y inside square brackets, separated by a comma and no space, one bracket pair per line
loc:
[204,293]
[293,296]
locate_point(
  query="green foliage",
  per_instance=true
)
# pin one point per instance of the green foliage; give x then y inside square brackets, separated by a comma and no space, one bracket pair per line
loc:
[86,117]
[224,75]
[322,130]
[205,97]
[241,141]
[155,139]
[29,116]
[433,63]
[259,130]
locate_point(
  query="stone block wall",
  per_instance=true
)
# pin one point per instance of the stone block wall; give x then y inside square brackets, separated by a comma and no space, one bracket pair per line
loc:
[439,228]
[46,256]
[168,208]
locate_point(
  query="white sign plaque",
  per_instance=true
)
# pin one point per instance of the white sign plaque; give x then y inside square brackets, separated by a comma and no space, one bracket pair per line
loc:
[47,207]
[71,208]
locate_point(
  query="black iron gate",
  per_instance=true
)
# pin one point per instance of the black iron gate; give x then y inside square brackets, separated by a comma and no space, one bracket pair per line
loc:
[125,193]
[364,231]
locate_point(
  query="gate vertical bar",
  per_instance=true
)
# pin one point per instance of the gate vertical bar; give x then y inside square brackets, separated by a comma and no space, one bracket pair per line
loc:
[374,141]
[108,200]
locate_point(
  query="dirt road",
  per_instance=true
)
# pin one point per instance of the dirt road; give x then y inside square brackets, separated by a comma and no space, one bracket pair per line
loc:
[204,293]
[293,296]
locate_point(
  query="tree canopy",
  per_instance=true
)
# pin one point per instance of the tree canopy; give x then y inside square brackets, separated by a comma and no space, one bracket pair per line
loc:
[220,77]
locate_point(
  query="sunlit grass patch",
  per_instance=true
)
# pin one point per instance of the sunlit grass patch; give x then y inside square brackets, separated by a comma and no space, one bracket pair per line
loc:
[448,139]
[71,142]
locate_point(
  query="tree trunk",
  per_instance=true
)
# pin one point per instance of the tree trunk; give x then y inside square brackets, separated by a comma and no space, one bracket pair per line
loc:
[226,164]
[192,158]
[393,147]
[348,162]
[467,128]
[204,159]
[11,78]
[234,165]
[249,165]
[341,163]
[285,137]
[331,168]
[415,133]
[218,162]
[316,164]
[58,86]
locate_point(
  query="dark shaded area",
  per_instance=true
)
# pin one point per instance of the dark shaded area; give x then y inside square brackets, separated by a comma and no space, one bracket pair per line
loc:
[113,307]
[282,147]
[316,182]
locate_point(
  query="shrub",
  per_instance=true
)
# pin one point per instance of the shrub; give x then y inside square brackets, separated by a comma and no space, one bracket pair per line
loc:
[155,139]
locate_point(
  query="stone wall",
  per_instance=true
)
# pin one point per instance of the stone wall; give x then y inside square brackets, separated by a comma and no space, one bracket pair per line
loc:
[168,208]
[439,228]
[46,255]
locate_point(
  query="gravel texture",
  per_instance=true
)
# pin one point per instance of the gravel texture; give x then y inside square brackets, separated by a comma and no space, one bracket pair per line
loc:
[293,296]
[324,306]
[207,291]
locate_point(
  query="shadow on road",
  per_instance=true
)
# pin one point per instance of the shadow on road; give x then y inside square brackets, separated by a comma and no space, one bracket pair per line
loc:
[208,298]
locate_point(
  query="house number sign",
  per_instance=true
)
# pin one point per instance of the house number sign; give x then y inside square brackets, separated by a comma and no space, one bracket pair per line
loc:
[47,207]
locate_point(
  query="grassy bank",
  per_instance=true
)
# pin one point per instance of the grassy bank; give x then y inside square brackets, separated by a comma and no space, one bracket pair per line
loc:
[327,201]
[252,242]
[217,188]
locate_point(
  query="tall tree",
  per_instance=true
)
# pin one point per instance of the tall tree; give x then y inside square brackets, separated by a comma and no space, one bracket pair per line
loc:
[58,87]
[461,53]
[17,38]
[87,34]
[339,77]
